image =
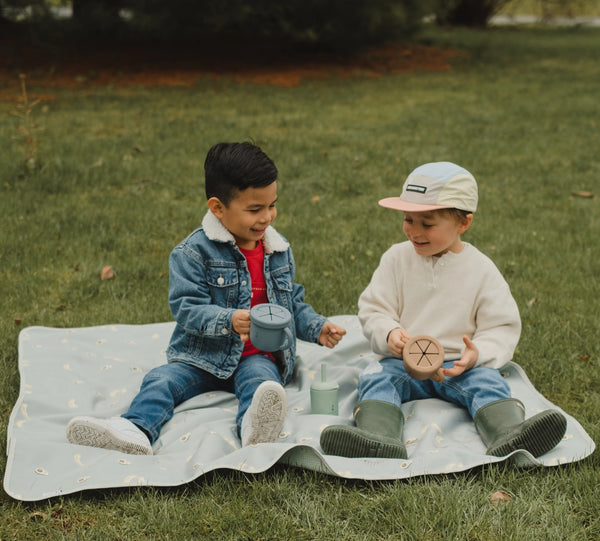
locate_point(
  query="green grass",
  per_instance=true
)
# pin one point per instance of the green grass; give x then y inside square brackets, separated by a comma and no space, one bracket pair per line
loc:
[120,182]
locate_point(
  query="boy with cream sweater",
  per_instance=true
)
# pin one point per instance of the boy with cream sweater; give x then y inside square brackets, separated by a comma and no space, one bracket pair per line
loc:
[436,284]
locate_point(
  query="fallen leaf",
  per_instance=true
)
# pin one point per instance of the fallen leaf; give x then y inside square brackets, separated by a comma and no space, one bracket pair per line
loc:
[500,496]
[17,321]
[582,193]
[107,273]
[531,302]
[38,515]
[315,199]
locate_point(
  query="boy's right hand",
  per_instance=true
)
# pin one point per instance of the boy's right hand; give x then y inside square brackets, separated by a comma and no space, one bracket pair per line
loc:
[396,341]
[240,322]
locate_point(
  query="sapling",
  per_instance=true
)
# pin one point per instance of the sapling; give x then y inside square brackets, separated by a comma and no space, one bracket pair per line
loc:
[27,128]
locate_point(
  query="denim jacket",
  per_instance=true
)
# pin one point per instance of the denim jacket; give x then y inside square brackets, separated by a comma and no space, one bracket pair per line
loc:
[209,280]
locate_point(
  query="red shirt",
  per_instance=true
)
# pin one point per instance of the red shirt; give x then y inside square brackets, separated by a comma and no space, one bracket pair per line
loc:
[255,257]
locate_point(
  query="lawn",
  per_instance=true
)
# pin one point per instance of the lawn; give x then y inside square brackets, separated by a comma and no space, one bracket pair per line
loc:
[114,177]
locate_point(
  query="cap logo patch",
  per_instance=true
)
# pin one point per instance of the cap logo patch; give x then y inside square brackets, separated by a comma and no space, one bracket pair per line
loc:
[416,188]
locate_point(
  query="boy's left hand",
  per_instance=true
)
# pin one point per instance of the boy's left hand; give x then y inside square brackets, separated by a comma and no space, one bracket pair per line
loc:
[467,361]
[331,334]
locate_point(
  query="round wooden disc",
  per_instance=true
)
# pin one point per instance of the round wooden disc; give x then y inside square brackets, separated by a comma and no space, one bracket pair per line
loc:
[423,356]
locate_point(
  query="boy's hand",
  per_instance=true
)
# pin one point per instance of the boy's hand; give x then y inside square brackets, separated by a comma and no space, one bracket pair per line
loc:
[396,341]
[467,361]
[240,322]
[331,334]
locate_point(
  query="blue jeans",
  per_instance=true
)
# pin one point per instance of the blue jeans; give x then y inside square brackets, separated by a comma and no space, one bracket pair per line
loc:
[388,381]
[168,385]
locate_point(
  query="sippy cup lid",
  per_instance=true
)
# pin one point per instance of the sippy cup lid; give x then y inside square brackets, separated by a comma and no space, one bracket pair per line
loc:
[270,315]
[423,357]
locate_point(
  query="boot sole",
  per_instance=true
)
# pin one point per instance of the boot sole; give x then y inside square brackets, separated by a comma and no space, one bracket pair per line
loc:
[538,435]
[350,442]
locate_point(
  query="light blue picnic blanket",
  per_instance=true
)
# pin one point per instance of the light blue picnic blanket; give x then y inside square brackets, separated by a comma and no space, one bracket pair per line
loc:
[98,370]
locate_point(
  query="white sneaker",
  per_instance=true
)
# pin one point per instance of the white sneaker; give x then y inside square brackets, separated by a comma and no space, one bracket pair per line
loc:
[116,433]
[264,418]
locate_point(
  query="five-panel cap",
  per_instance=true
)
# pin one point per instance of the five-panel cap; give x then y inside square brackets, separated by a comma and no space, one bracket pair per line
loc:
[436,185]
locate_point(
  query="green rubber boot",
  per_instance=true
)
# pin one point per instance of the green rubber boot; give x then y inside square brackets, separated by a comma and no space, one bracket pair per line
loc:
[378,433]
[503,429]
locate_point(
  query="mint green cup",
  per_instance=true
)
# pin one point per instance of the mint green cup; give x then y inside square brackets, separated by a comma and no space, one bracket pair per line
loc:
[324,395]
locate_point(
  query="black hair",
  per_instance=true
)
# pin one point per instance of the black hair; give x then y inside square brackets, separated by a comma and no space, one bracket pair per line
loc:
[233,167]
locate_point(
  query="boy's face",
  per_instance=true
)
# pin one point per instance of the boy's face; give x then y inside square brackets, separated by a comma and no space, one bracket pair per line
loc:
[434,233]
[248,215]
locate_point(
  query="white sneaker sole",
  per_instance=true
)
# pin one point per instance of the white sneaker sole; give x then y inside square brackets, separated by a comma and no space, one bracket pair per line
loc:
[267,413]
[91,432]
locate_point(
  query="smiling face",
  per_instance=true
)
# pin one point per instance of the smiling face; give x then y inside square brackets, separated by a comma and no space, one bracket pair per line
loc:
[248,214]
[434,233]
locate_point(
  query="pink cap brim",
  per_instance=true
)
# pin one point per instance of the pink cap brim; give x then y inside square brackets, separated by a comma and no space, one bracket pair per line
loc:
[399,204]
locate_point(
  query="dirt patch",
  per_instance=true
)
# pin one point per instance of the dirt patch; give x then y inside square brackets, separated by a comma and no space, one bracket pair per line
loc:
[48,67]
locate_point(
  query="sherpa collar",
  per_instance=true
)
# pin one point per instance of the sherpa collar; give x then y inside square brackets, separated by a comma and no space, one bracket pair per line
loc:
[216,231]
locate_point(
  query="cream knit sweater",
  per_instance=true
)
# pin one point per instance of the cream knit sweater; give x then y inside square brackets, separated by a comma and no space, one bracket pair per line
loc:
[445,297]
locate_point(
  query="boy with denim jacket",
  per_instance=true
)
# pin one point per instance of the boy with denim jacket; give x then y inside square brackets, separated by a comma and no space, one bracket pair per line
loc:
[435,284]
[235,260]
